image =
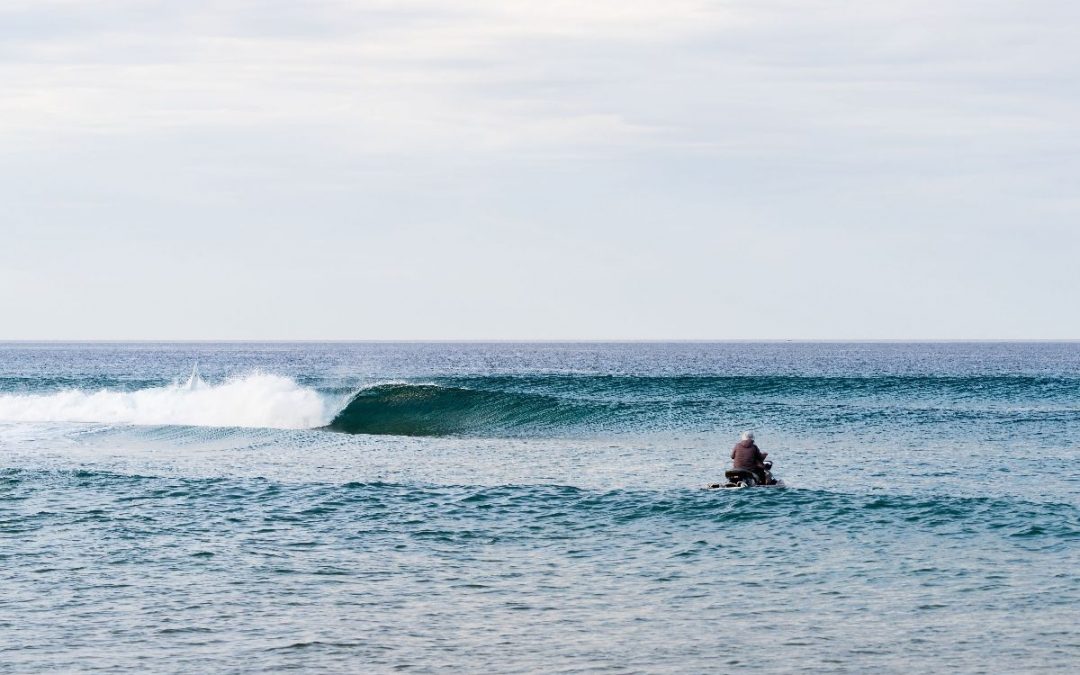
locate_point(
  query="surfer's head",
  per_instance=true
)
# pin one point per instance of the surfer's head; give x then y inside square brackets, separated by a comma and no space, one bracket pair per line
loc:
[748,435]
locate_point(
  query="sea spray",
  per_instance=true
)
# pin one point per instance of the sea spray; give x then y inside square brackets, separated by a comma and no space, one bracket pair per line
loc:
[253,400]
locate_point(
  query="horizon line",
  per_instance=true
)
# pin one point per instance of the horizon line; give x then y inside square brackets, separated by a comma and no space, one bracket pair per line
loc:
[530,341]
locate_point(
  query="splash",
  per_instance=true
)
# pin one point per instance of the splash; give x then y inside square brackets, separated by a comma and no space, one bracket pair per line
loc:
[195,381]
[255,400]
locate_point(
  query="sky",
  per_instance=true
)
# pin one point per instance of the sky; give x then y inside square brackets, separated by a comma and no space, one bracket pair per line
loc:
[500,169]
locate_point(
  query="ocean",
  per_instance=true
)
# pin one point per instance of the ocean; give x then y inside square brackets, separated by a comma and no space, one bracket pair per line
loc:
[422,507]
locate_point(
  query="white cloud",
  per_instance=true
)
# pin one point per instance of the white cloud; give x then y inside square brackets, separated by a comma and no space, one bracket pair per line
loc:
[642,137]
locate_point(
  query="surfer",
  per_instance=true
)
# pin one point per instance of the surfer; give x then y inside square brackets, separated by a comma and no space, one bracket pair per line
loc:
[747,456]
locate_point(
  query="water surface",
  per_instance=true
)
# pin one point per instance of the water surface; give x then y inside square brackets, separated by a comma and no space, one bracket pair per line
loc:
[524,507]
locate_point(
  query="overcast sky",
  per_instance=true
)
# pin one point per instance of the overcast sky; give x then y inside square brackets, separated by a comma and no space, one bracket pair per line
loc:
[539,170]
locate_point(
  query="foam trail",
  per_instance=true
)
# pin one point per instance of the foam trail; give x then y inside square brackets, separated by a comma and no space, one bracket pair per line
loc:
[255,400]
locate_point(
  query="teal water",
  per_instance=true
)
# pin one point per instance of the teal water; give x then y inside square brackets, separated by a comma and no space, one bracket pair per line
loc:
[538,507]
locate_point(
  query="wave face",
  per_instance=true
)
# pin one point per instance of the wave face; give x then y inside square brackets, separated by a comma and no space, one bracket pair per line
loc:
[556,404]
[434,410]
[254,400]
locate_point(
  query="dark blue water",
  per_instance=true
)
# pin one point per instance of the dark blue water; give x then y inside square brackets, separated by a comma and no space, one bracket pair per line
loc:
[512,508]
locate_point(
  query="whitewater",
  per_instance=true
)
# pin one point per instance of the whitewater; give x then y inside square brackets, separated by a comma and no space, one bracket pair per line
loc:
[537,507]
[254,400]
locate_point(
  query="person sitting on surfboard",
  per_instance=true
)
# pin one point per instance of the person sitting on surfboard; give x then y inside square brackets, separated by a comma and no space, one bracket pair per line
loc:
[747,456]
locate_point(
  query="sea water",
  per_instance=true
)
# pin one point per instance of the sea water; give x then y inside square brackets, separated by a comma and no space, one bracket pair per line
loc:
[538,507]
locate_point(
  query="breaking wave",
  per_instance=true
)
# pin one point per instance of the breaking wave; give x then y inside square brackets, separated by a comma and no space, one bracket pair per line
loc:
[278,402]
[255,400]
[557,405]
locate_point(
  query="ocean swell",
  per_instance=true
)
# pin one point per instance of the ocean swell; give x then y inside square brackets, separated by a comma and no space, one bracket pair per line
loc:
[559,405]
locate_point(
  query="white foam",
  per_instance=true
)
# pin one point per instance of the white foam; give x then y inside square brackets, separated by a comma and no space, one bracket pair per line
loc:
[255,400]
